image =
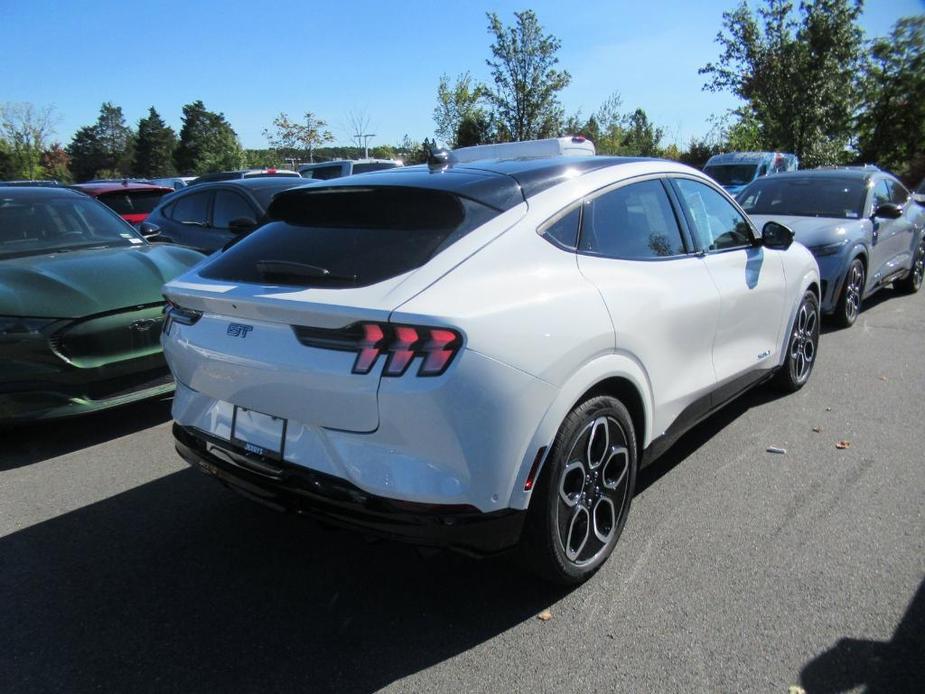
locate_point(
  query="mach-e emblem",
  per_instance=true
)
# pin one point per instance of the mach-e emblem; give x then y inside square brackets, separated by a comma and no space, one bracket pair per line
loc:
[238,330]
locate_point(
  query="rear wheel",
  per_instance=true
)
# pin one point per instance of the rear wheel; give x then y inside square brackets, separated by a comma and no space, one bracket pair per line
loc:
[849,305]
[912,282]
[802,346]
[580,505]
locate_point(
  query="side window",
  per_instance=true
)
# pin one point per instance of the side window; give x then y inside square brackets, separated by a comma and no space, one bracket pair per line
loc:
[716,223]
[898,193]
[564,230]
[881,193]
[634,222]
[230,206]
[192,208]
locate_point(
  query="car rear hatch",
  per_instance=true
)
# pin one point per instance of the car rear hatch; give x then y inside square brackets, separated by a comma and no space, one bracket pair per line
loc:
[133,205]
[336,256]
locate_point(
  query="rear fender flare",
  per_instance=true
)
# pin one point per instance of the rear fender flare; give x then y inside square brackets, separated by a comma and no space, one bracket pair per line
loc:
[614,365]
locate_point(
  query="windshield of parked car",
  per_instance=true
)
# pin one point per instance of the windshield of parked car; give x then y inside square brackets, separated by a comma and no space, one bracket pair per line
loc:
[816,196]
[731,174]
[348,237]
[34,225]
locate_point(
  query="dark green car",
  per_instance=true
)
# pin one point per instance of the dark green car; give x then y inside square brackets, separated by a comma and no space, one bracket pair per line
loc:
[80,306]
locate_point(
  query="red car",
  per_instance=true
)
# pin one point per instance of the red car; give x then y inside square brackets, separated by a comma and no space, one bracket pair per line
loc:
[132,201]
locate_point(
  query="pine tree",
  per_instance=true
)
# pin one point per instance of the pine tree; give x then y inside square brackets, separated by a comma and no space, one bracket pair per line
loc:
[154,147]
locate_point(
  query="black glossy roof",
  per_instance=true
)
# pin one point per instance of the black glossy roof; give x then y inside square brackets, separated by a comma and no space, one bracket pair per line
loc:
[536,175]
[501,184]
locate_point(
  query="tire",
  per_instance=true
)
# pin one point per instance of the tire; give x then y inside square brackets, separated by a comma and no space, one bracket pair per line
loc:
[802,347]
[849,303]
[583,496]
[912,282]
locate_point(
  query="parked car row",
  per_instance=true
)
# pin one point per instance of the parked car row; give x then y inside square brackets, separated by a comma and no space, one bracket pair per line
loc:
[477,353]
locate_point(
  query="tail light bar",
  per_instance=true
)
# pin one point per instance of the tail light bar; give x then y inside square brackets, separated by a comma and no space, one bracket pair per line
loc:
[400,343]
[174,313]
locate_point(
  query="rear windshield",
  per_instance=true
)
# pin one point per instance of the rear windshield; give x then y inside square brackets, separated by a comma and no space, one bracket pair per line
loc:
[348,237]
[731,174]
[373,166]
[325,173]
[132,201]
[837,197]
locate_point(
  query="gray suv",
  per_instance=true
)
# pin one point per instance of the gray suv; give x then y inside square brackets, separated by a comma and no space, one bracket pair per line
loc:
[861,224]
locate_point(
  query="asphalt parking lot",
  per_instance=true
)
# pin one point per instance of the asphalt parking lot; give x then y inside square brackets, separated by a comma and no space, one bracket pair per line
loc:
[740,570]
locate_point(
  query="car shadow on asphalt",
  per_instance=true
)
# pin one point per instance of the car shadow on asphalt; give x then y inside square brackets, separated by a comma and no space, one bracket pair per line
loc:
[886,294]
[893,666]
[181,585]
[701,434]
[25,444]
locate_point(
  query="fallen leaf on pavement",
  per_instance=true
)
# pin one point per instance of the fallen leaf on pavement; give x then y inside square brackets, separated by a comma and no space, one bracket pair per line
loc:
[544,616]
[842,444]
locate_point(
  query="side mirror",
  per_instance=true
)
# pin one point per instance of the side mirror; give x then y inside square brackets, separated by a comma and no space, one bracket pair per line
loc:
[776,235]
[242,225]
[149,230]
[889,210]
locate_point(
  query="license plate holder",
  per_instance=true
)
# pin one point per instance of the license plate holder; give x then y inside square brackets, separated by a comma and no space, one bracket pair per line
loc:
[258,433]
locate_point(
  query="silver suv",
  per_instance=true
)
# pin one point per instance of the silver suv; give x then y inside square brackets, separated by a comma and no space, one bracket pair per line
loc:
[345,167]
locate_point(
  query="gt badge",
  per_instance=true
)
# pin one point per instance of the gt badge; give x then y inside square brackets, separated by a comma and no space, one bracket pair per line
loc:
[238,330]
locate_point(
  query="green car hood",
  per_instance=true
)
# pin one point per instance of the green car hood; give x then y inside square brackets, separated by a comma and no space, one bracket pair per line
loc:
[81,283]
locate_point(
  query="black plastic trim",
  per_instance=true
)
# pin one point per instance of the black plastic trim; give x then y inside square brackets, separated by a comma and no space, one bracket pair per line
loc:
[702,408]
[293,488]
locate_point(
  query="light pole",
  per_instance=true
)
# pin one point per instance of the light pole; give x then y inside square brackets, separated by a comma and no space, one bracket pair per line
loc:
[365,137]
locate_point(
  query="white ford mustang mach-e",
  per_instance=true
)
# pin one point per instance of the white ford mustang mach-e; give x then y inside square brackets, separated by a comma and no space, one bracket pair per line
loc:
[481,352]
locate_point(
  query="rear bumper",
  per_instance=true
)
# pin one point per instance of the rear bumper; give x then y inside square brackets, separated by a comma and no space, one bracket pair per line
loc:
[295,488]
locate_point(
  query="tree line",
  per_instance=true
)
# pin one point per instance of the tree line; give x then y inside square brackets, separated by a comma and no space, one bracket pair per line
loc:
[807,81]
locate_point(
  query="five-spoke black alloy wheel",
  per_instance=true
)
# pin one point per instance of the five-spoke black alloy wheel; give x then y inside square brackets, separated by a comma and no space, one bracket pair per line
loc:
[802,345]
[584,495]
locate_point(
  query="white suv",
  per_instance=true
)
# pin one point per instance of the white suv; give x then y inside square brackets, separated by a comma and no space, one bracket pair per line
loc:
[482,354]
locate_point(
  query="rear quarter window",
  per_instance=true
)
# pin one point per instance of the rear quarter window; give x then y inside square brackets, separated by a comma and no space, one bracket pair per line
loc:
[348,237]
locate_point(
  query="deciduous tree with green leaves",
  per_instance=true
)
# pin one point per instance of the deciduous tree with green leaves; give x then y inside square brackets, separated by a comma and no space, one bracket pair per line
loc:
[892,122]
[56,163]
[797,73]
[154,147]
[641,137]
[26,131]
[526,83]
[461,115]
[298,139]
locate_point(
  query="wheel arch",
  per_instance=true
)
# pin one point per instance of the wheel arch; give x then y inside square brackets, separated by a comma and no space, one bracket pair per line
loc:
[619,375]
[809,282]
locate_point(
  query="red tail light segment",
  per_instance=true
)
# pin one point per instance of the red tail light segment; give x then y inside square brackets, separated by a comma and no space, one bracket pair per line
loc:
[400,343]
[370,345]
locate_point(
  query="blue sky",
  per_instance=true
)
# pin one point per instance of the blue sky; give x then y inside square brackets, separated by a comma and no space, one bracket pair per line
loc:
[252,60]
